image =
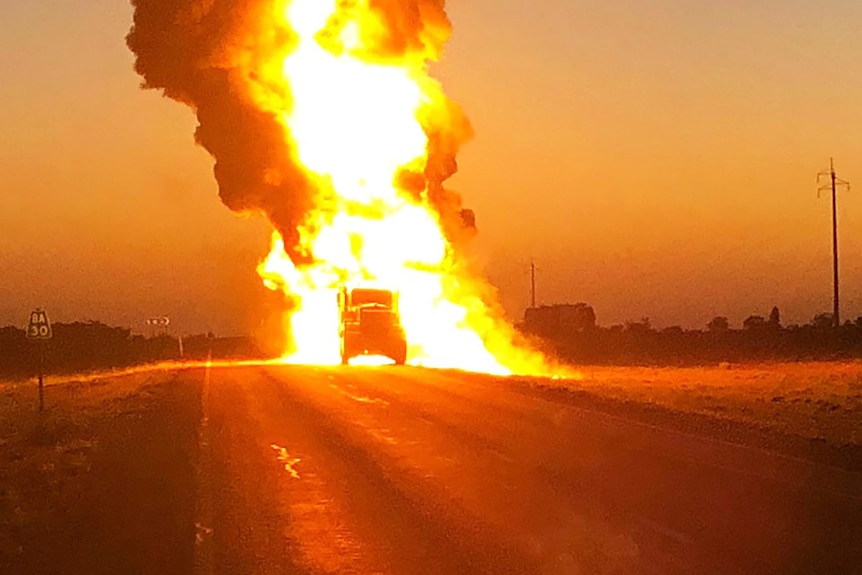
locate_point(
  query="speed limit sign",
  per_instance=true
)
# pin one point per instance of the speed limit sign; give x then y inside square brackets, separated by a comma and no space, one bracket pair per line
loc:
[39,326]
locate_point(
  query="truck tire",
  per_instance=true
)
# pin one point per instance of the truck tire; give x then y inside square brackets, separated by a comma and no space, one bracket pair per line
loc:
[345,352]
[400,354]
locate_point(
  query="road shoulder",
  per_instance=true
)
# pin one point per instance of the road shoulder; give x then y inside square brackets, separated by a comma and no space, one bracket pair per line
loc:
[103,481]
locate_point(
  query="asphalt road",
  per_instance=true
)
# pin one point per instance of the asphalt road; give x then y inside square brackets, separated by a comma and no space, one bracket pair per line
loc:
[405,471]
[260,470]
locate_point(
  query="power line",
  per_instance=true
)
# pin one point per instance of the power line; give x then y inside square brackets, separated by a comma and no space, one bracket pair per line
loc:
[834,184]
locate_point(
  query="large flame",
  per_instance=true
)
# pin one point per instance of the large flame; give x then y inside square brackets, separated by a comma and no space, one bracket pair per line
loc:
[357,119]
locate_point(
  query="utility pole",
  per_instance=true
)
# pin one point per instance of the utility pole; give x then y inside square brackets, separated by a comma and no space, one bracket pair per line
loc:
[532,284]
[833,186]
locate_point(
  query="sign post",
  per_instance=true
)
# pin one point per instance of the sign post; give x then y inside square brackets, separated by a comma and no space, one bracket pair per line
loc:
[39,329]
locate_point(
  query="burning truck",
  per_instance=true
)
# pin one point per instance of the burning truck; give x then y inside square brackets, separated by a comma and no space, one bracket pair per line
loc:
[370,324]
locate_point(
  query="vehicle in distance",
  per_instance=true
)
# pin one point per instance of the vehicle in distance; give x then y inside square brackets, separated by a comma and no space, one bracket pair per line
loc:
[370,324]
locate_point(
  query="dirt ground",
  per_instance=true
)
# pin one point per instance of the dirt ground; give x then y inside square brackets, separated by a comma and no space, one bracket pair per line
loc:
[804,409]
[97,432]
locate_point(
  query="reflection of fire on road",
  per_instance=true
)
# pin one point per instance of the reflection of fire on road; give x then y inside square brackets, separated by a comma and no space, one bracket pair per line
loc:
[322,115]
[287,459]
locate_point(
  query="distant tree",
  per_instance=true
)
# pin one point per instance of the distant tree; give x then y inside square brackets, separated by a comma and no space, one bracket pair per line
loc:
[14,351]
[642,326]
[775,318]
[822,320]
[718,324]
[753,322]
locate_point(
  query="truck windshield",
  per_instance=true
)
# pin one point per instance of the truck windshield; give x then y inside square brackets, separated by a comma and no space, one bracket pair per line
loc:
[362,297]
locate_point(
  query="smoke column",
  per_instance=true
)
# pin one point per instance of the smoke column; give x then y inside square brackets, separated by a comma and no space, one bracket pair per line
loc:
[208,54]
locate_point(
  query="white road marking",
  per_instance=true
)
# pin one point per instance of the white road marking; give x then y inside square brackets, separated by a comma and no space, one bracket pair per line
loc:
[288,460]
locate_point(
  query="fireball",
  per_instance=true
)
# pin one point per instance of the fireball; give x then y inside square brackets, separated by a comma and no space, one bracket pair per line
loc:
[358,120]
[322,114]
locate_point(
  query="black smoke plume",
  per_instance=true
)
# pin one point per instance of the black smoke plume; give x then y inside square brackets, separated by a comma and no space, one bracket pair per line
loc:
[202,53]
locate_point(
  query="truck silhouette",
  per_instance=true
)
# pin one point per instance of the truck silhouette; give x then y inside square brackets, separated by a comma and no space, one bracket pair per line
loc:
[370,324]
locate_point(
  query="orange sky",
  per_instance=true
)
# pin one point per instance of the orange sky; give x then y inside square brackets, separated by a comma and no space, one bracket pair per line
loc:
[655,158]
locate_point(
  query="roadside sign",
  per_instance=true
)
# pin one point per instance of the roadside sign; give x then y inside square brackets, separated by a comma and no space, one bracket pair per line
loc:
[39,326]
[159,322]
[39,329]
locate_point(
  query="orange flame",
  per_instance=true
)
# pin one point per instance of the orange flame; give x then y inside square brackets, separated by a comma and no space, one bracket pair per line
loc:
[356,120]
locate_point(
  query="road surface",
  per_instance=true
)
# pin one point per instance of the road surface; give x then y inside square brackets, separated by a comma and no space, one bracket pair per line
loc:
[299,470]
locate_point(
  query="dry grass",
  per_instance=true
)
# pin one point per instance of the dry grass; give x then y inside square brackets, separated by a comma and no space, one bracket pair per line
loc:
[44,457]
[810,400]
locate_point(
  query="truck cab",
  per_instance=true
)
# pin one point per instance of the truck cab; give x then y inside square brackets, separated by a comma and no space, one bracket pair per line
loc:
[370,324]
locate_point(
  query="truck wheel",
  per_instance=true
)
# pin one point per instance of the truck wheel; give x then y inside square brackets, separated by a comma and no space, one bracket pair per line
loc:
[400,355]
